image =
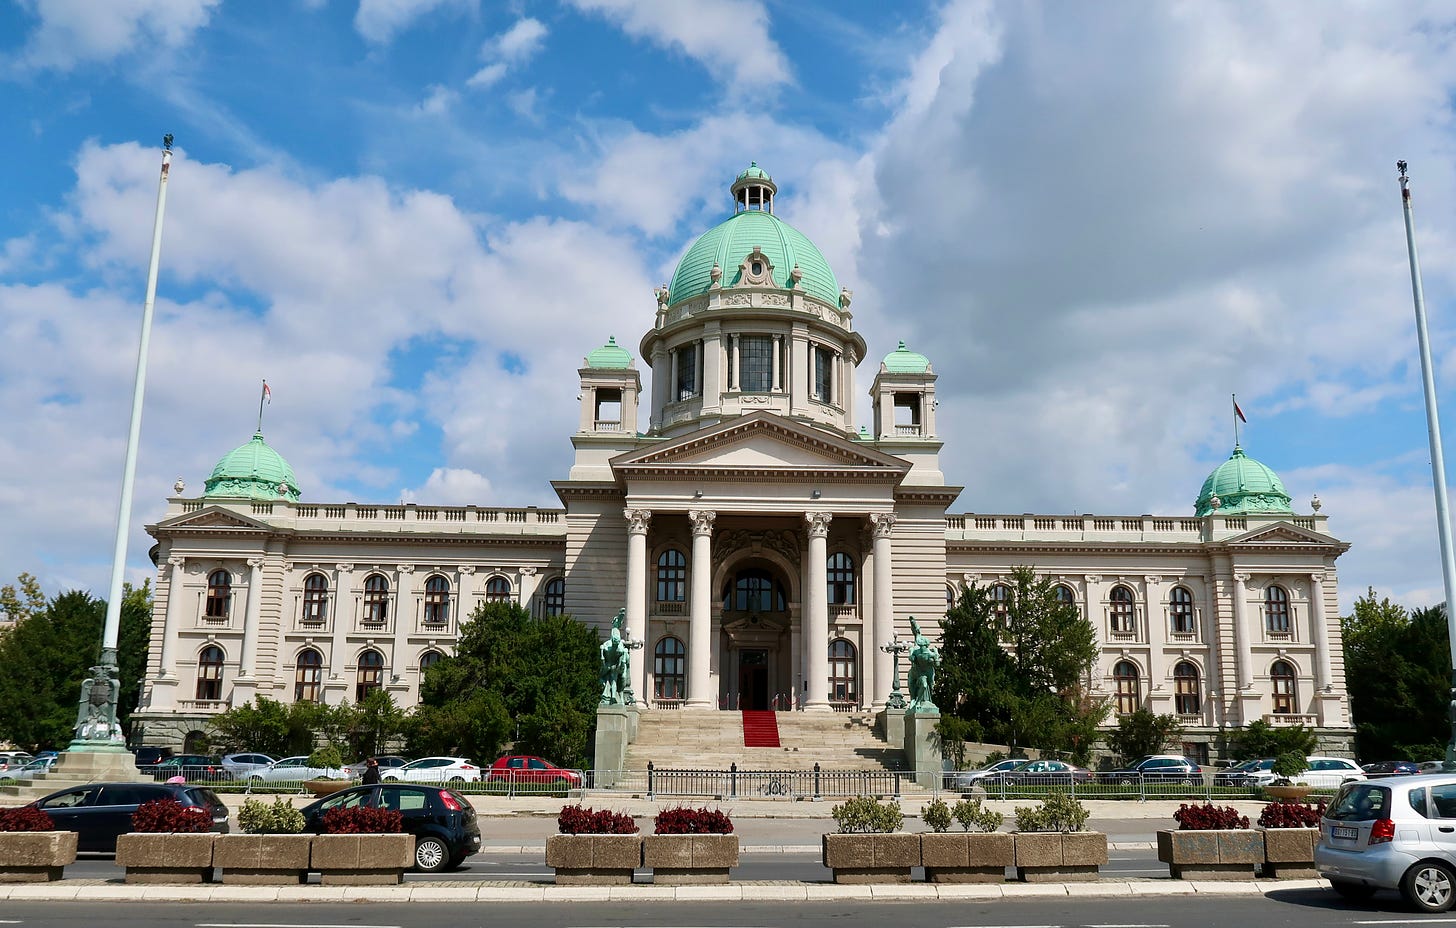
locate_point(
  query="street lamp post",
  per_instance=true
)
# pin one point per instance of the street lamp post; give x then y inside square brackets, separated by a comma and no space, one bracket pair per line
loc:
[895,649]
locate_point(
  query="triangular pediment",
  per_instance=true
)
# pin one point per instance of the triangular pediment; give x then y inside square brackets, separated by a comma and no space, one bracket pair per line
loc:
[761,441]
[212,517]
[1281,533]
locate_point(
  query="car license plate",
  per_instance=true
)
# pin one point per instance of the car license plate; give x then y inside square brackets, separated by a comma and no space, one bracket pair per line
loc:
[1345,832]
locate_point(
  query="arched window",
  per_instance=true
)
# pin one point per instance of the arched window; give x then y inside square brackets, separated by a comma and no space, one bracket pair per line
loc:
[370,676]
[209,673]
[315,598]
[1000,597]
[219,595]
[1121,612]
[437,600]
[1186,698]
[1276,610]
[307,676]
[1063,594]
[553,598]
[1281,674]
[950,597]
[672,576]
[843,672]
[841,579]
[668,676]
[497,590]
[1180,610]
[376,600]
[753,590]
[1125,682]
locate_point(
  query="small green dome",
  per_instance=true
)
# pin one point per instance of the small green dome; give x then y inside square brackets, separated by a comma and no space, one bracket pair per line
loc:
[754,172]
[255,471]
[904,361]
[1242,486]
[611,356]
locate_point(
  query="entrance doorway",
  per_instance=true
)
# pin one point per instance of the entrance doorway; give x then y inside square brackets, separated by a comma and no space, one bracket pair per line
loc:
[753,678]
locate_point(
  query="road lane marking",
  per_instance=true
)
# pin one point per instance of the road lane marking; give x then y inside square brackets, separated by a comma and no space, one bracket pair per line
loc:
[1405,921]
[280,925]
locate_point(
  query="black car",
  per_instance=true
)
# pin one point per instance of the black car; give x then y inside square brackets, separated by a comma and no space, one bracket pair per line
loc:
[1157,768]
[191,767]
[1391,768]
[442,820]
[98,812]
[149,756]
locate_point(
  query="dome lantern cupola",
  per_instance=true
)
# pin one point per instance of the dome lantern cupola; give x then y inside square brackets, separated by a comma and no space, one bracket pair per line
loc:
[1242,485]
[253,471]
[753,189]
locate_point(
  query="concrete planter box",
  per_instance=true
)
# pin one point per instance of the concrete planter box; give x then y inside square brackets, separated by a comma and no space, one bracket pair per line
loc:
[1289,853]
[594,860]
[1218,854]
[679,860]
[262,859]
[361,860]
[35,856]
[166,858]
[968,857]
[874,858]
[1059,857]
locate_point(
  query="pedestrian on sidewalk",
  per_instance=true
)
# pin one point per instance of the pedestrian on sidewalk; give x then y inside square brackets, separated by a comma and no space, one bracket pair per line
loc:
[371,772]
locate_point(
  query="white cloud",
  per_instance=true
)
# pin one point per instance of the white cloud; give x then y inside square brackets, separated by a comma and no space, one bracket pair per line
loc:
[511,48]
[379,20]
[437,102]
[75,31]
[729,37]
[452,486]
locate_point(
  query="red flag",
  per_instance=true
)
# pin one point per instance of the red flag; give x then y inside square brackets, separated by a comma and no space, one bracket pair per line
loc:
[1240,413]
[268,395]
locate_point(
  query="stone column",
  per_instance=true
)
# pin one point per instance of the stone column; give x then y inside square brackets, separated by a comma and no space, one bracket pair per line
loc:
[700,619]
[465,599]
[404,621]
[1320,632]
[1242,656]
[251,618]
[884,608]
[638,522]
[778,371]
[345,612]
[816,617]
[166,661]
[1159,673]
[528,584]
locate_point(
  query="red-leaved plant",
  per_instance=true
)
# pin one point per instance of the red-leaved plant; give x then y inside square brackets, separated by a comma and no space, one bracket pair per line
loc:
[164,816]
[685,821]
[1292,815]
[1209,817]
[363,820]
[574,820]
[25,818]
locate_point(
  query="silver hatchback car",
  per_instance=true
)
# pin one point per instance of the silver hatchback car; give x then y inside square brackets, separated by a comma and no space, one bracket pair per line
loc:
[1392,834]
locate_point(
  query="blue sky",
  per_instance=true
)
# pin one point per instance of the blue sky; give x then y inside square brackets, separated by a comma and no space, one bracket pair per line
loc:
[414,217]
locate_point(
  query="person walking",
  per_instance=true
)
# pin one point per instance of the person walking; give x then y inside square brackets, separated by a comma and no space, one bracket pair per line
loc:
[371,772]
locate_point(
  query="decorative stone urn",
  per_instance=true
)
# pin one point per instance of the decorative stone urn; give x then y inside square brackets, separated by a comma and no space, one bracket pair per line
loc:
[361,860]
[872,858]
[1290,793]
[35,856]
[166,858]
[594,860]
[1059,857]
[680,860]
[1213,854]
[263,859]
[326,787]
[969,857]
[1289,853]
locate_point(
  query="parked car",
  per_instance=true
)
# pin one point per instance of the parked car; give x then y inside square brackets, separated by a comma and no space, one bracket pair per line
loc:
[1391,768]
[1157,768]
[295,769]
[1433,766]
[523,768]
[149,757]
[1395,833]
[967,779]
[10,759]
[442,821]
[1244,773]
[386,762]
[1040,773]
[191,767]
[435,770]
[1325,772]
[238,766]
[98,812]
[39,766]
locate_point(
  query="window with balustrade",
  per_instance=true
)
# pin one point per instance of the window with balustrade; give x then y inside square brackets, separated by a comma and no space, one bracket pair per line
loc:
[1276,610]
[308,676]
[1180,611]
[841,579]
[669,677]
[1186,697]
[1127,687]
[843,672]
[672,576]
[209,673]
[553,597]
[376,600]
[219,595]
[1122,611]
[497,590]
[370,675]
[315,598]
[437,600]
[1282,678]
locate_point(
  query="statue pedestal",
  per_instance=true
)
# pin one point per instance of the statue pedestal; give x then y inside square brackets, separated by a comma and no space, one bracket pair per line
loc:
[922,746]
[89,762]
[616,729]
[892,723]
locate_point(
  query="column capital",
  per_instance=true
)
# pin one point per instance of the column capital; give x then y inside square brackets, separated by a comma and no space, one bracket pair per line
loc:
[883,522]
[818,523]
[1242,577]
[177,561]
[467,569]
[344,568]
[406,568]
[702,520]
[256,563]
[1317,577]
[638,520]
[528,571]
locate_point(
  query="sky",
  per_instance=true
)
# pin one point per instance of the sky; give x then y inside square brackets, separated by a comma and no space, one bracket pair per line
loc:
[415,217]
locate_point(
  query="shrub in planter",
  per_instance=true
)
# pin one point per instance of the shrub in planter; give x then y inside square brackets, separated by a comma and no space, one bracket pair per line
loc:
[686,821]
[1211,843]
[1289,838]
[362,846]
[25,818]
[1286,765]
[690,846]
[31,850]
[1209,817]
[936,814]
[594,847]
[327,757]
[276,818]
[363,820]
[1291,815]
[270,851]
[1060,811]
[168,816]
[863,815]
[169,843]
[1051,845]
[869,848]
[977,855]
[576,820]
[972,816]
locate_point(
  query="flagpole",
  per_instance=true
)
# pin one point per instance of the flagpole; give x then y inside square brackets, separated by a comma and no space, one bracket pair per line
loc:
[1438,463]
[262,395]
[1235,398]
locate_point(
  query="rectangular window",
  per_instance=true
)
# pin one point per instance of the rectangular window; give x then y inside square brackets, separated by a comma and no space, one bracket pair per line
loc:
[823,375]
[755,353]
[687,372]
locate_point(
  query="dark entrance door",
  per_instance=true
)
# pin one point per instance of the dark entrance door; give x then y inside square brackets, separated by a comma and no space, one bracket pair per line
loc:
[753,678]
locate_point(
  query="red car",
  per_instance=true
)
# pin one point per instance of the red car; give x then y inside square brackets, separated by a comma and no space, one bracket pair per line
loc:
[522,768]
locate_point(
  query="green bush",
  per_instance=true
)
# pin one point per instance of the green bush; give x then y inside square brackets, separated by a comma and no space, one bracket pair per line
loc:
[1060,811]
[863,815]
[972,816]
[277,818]
[936,814]
[327,756]
[1288,764]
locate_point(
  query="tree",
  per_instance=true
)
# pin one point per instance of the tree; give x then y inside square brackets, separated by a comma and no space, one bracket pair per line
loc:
[1143,732]
[29,601]
[264,725]
[1397,671]
[512,677]
[1260,739]
[377,721]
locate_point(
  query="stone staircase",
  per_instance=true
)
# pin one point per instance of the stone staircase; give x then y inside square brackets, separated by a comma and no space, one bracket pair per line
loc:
[73,769]
[705,739]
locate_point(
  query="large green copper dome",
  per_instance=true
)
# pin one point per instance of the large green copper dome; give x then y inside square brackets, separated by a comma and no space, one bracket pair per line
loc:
[1242,485]
[255,471]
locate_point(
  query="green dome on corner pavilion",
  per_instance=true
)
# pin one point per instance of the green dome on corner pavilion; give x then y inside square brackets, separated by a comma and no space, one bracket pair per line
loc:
[753,226]
[904,361]
[254,471]
[610,356]
[1242,485]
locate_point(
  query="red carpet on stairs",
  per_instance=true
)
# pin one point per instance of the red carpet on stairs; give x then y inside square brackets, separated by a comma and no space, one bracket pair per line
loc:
[760,729]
